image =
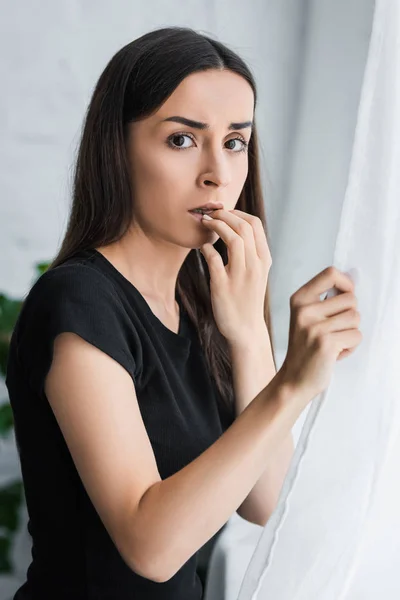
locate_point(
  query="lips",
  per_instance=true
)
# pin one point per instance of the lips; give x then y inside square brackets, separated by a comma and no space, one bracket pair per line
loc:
[210,206]
[196,215]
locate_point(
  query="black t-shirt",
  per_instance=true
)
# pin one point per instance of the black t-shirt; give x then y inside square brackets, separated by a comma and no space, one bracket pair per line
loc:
[73,556]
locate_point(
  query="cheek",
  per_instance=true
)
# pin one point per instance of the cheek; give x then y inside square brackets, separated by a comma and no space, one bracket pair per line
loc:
[242,171]
[159,188]
[164,166]
[157,177]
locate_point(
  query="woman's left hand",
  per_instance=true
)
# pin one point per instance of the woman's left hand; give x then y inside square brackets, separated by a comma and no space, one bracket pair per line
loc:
[238,289]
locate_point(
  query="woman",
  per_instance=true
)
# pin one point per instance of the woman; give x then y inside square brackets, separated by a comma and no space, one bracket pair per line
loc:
[141,377]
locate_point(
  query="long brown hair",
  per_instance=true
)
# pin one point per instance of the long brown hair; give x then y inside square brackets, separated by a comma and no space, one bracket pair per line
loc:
[135,83]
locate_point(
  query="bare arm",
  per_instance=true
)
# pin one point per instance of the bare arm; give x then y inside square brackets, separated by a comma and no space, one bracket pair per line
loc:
[180,514]
[156,525]
[253,368]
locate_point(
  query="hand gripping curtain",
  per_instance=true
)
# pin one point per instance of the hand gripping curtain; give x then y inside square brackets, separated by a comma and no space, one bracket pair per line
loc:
[335,533]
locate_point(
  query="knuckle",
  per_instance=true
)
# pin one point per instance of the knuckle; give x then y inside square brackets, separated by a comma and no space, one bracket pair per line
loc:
[244,228]
[353,297]
[294,301]
[303,316]
[322,343]
[254,219]
[214,260]
[237,242]
[314,332]
[331,271]
[354,313]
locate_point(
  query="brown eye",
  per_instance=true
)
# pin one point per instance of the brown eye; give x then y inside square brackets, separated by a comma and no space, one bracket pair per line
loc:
[178,136]
[171,142]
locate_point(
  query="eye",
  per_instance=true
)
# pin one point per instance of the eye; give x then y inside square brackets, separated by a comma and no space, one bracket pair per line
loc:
[182,135]
[243,141]
[179,136]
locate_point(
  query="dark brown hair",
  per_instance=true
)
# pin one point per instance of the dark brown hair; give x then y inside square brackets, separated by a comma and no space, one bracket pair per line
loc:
[135,83]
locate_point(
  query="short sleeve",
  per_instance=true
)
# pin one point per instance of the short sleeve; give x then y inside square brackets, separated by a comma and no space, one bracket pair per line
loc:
[77,299]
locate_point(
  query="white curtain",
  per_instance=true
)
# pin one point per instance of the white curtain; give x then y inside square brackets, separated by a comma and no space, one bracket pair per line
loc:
[335,534]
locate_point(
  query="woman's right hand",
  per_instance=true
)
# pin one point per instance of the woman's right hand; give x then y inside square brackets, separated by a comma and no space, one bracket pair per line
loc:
[321,332]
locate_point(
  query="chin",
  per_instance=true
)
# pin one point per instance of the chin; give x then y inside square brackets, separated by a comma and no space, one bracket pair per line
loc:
[211,239]
[207,239]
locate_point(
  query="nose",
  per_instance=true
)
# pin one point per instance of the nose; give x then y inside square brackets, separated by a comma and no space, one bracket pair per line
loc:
[216,166]
[219,176]
[219,184]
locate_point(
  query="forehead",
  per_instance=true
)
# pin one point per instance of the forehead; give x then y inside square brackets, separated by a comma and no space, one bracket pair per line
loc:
[211,96]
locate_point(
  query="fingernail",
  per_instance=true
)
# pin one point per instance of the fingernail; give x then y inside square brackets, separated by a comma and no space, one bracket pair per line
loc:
[207,217]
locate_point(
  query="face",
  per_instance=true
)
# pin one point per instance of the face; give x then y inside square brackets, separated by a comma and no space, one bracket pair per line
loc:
[176,167]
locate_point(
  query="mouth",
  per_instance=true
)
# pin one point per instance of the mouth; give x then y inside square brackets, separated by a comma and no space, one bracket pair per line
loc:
[198,214]
[202,211]
[207,208]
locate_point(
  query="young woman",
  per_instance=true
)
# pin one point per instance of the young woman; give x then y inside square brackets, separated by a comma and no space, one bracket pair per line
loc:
[146,401]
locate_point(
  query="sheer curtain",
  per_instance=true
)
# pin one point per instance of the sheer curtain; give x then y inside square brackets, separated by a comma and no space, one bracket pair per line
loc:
[335,534]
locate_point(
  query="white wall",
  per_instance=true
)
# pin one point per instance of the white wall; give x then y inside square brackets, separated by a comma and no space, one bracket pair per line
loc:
[315,171]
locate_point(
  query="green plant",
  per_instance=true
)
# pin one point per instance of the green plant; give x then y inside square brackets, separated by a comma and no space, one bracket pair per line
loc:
[12,495]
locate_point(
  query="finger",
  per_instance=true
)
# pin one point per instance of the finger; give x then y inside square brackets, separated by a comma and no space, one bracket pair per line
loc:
[328,278]
[345,353]
[342,321]
[260,236]
[334,306]
[236,223]
[339,303]
[214,260]
[348,339]
[245,230]
[235,243]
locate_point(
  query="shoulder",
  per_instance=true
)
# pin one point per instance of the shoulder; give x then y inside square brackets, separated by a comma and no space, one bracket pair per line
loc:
[76,287]
[79,299]
[76,278]
[73,294]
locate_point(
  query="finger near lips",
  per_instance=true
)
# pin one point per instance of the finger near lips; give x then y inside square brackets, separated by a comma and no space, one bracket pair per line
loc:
[237,260]
[229,225]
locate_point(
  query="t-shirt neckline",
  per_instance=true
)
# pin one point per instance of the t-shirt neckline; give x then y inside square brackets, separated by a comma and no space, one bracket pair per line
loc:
[179,337]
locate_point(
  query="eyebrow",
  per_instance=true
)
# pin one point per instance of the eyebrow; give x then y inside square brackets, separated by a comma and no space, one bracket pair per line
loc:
[200,125]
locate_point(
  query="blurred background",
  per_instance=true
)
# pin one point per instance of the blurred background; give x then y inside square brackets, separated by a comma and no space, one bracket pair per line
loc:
[308,58]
